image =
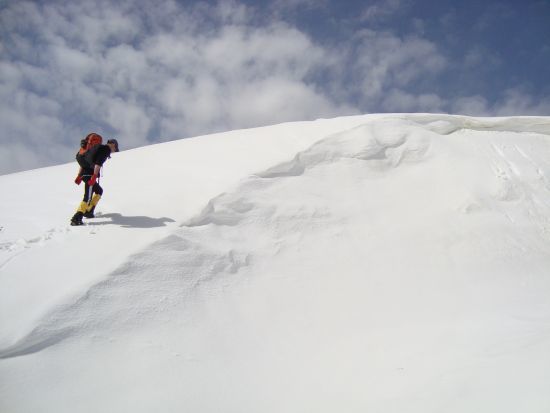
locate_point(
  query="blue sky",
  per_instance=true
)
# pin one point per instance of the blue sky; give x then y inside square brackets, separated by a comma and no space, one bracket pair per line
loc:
[147,72]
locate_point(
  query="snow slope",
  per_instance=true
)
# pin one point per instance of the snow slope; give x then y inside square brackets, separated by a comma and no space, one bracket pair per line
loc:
[382,263]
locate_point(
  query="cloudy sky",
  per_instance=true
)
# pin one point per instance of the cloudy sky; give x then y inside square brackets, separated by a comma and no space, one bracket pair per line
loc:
[152,71]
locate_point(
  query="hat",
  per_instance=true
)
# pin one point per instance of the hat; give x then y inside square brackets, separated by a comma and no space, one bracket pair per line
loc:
[114,142]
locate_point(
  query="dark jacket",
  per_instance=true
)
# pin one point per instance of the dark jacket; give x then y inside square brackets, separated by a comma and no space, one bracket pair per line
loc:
[95,156]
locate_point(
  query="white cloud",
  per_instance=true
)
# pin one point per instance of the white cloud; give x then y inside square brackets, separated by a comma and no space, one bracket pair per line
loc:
[471,105]
[131,120]
[71,63]
[400,101]
[382,9]
[293,5]
[384,60]
[478,57]
[515,101]
[18,156]
[280,99]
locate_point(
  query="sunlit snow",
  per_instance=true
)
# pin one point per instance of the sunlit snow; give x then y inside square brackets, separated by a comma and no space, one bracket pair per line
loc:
[377,263]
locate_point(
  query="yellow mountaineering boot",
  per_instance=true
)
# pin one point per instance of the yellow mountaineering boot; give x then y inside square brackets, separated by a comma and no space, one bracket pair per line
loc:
[77,217]
[82,207]
[91,206]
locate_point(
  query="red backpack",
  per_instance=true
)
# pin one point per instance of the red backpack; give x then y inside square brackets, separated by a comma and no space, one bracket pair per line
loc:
[90,141]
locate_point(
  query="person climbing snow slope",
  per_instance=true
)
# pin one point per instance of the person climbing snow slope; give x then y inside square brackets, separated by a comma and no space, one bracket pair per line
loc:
[91,158]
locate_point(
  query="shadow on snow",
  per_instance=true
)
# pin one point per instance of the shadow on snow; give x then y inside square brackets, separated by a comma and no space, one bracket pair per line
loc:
[132,221]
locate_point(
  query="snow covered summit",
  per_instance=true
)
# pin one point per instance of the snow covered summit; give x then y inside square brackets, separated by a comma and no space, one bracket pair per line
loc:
[382,263]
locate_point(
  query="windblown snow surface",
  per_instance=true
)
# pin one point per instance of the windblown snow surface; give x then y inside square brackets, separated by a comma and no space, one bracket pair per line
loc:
[380,263]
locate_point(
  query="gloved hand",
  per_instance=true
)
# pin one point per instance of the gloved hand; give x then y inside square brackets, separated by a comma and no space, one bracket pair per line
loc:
[92,180]
[78,179]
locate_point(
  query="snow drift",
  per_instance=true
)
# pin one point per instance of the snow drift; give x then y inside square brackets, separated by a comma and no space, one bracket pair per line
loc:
[374,263]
